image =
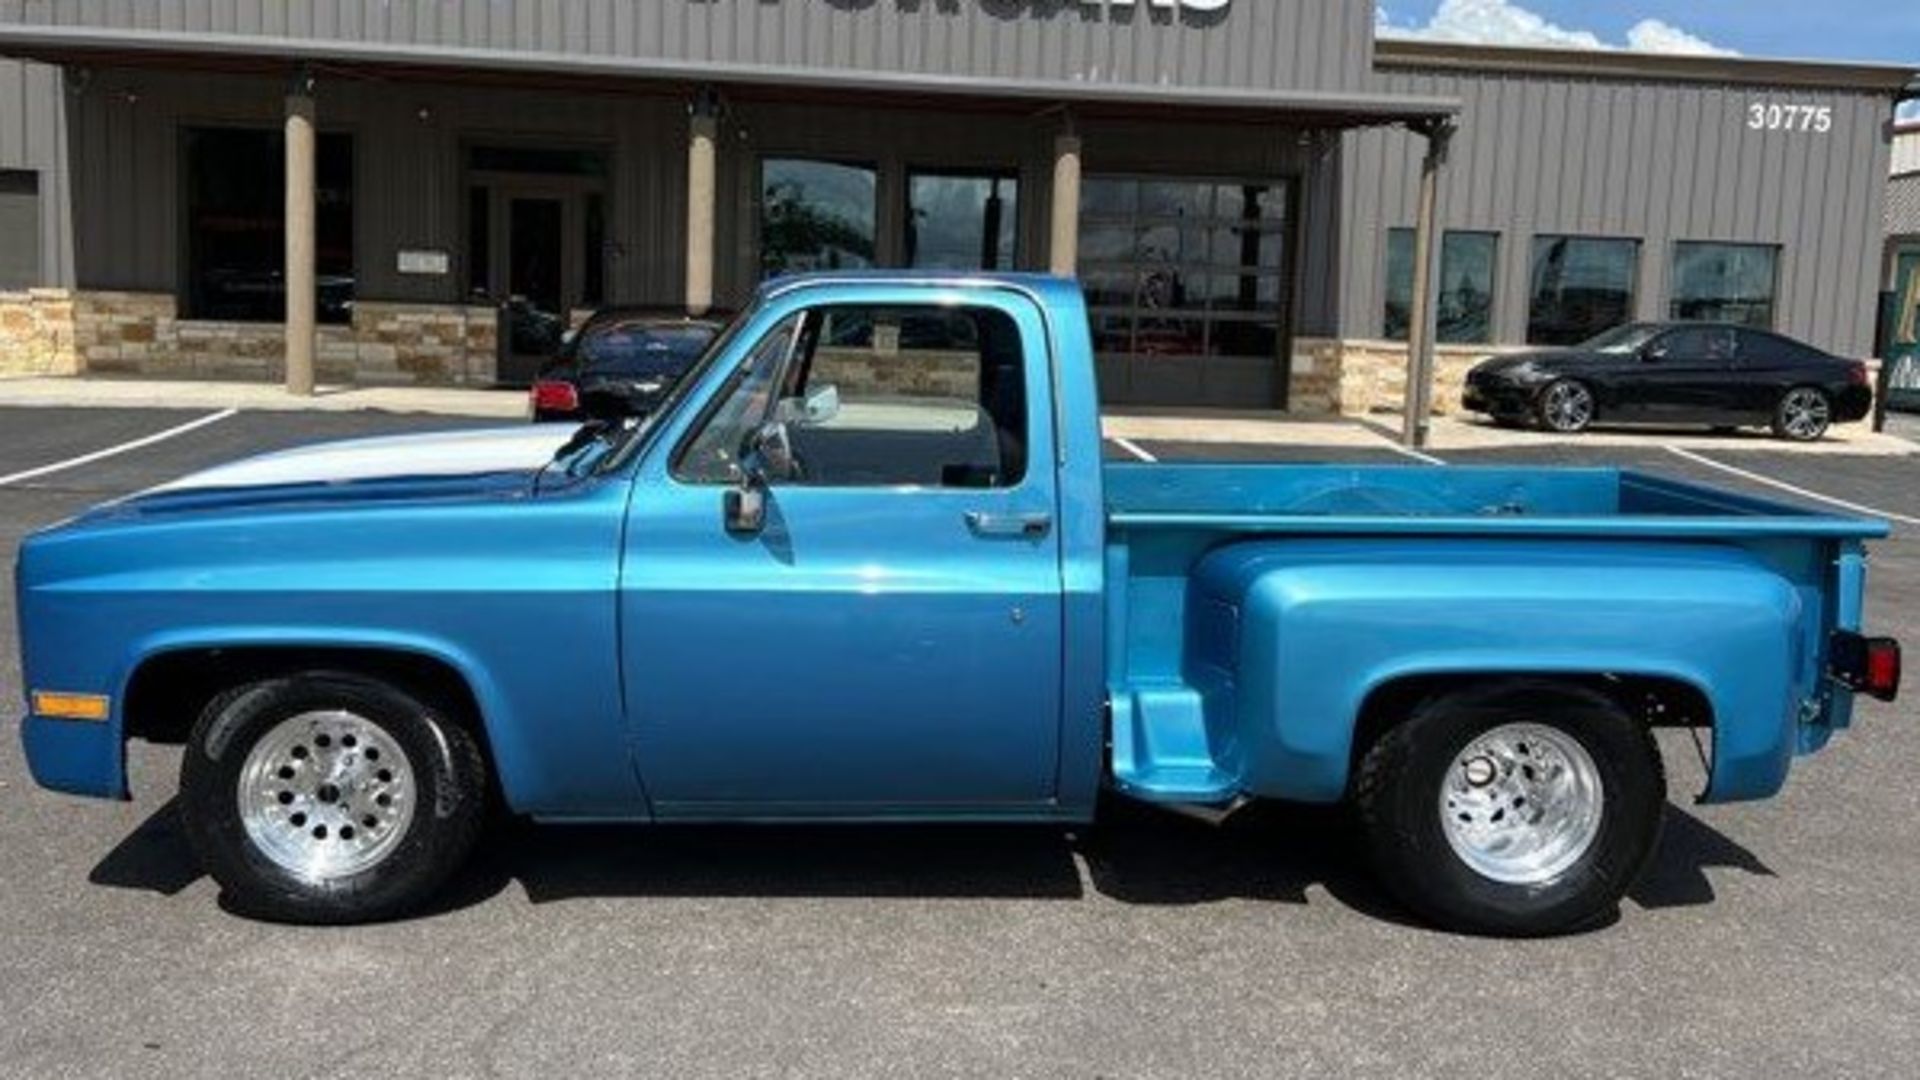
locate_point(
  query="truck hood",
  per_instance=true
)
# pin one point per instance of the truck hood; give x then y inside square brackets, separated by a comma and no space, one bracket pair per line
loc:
[524,448]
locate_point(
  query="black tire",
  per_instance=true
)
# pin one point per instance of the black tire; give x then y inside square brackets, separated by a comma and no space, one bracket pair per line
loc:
[1566,406]
[446,767]
[1399,786]
[1803,414]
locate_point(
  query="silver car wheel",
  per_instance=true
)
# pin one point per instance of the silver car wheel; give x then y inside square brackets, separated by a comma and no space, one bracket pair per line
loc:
[1805,414]
[326,795]
[1522,804]
[1568,406]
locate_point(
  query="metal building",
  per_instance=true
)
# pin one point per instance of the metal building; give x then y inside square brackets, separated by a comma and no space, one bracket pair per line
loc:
[1235,182]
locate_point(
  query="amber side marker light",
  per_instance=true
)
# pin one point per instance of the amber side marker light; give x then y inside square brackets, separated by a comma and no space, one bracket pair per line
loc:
[70,706]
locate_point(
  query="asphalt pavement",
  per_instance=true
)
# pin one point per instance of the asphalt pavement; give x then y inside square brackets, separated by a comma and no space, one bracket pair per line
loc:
[1778,938]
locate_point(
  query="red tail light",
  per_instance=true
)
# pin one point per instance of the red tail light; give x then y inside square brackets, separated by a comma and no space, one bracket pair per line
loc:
[1867,665]
[1883,669]
[1857,374]
[551,396]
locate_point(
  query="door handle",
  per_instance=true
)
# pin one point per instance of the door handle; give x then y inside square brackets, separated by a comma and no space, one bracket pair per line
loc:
[1029,526]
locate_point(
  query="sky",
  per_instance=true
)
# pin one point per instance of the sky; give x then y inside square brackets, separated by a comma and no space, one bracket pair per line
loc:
[1872,30]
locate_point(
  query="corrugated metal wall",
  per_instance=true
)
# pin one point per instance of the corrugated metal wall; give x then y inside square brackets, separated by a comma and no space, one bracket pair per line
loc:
[1269,44]
[409,140]
[32,137]
[1658,162]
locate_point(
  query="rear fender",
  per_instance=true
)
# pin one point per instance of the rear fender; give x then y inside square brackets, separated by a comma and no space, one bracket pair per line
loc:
[1315,628]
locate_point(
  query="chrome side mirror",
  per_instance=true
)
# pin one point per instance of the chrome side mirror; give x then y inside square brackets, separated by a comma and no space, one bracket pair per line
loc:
[767,452]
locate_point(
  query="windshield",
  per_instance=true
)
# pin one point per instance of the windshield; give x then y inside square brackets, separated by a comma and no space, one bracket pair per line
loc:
[1621,339]
[644,348]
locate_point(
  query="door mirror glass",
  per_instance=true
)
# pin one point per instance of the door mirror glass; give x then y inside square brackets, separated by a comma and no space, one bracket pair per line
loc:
[818,408]
[1656,352]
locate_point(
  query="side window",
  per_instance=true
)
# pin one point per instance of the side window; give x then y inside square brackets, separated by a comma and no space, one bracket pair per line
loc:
[928,396]
[1699,343]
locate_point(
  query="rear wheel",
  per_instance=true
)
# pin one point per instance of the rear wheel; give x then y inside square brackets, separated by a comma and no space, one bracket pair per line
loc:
[327,798]
[1803,415]
[1566,406]
[1519,810]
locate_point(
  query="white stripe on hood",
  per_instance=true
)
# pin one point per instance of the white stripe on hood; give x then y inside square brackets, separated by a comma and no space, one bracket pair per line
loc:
[523,448]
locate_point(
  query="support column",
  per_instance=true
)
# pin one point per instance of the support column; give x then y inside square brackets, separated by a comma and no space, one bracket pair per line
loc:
[1424,326]
[300,272]
[1063,247]
[702,194]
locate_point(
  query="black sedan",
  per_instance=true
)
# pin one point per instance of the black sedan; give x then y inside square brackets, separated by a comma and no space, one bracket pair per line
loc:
[1676,373]
[621,361]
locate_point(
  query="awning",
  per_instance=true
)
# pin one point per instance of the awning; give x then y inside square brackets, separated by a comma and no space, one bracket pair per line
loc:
[80,45]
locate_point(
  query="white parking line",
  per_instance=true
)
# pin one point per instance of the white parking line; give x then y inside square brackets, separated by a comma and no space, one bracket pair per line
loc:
[1782,485]
[1414,454]
[121,448]
[1133,448]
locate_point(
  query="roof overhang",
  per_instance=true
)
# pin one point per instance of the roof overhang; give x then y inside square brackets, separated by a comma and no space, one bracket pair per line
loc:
[76,45]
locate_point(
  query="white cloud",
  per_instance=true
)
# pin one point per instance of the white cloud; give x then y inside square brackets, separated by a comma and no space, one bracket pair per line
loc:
[1502,22]
[1652,35]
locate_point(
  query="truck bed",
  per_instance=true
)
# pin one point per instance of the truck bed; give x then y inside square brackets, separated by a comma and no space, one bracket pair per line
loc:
[1375,574]
[1378,500]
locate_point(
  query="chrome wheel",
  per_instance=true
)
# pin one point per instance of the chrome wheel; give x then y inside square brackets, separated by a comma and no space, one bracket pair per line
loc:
[1567,406]
[1805,414]
[326,795]
[1522,804]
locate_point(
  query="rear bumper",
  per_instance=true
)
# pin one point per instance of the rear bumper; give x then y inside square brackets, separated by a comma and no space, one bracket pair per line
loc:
[1853,403]
[75,756]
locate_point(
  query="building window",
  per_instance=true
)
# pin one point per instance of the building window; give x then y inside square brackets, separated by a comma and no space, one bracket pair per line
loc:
[19,229]
[816,215]
[1580,287]
[1467,261]
[962,221]
[1188,281]
[1731,283]
[236,225]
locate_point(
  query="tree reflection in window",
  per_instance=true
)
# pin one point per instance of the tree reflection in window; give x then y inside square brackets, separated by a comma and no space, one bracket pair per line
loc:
[815,215]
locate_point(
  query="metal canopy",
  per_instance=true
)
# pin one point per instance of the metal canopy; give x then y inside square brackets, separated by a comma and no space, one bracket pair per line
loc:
[85,45]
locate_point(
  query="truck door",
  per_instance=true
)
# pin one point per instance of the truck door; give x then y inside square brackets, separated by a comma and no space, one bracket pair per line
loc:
[887,638]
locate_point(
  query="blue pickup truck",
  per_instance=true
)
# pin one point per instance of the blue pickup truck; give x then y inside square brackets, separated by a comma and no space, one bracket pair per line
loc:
[867,564]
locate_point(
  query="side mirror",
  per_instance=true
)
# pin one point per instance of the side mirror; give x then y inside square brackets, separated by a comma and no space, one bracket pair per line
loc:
[819,407]
[1653,354]
[767,452]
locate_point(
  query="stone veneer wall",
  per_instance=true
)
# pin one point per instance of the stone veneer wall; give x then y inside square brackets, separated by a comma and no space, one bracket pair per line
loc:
[140,334]
[1356,378]
[36,333]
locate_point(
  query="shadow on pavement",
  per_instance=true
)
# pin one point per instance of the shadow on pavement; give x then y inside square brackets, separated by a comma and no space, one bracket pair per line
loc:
[1135,855]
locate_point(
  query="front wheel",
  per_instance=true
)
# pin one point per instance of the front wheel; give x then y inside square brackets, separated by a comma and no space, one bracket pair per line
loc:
[1803,415]
[1566,406]
[1520,810]
[327,798]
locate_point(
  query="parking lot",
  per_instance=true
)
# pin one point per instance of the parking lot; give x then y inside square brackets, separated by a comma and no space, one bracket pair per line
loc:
[1777,937]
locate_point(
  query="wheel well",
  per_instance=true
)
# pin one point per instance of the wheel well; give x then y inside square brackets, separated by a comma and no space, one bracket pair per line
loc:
[1658,701]
[167,693]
